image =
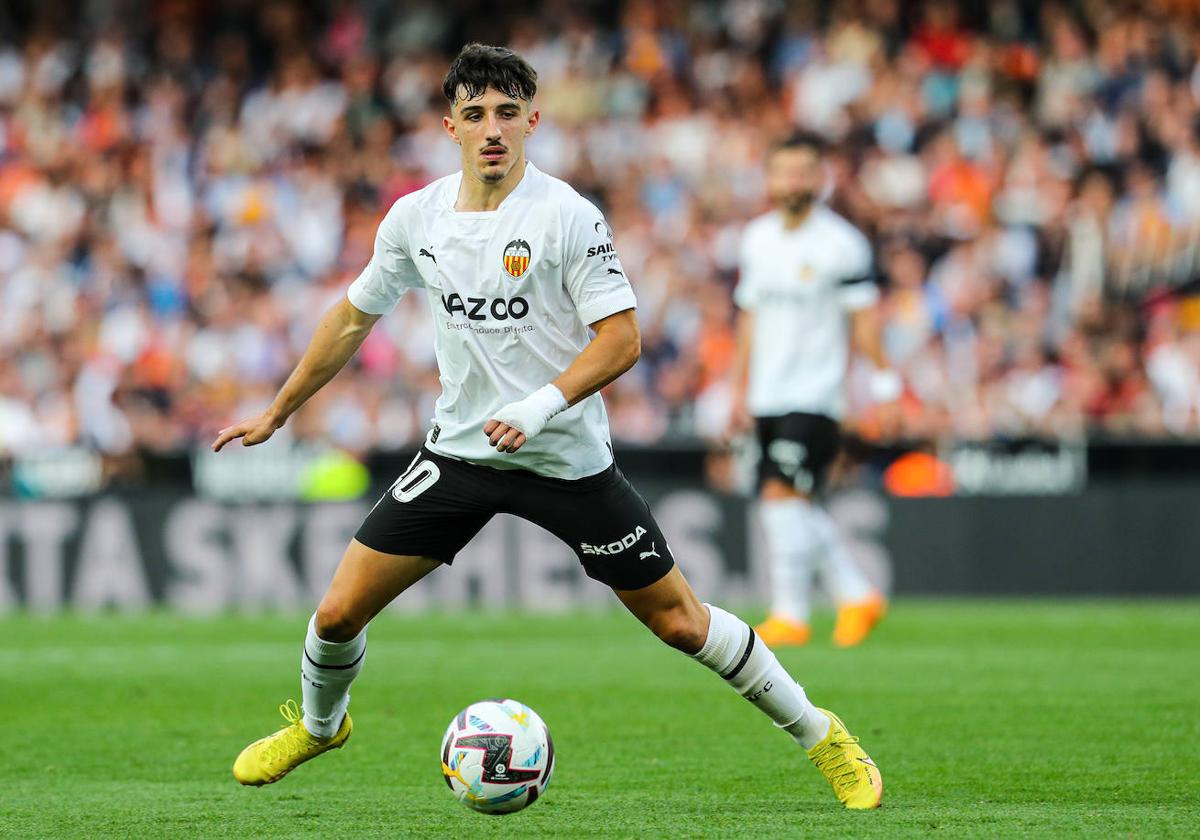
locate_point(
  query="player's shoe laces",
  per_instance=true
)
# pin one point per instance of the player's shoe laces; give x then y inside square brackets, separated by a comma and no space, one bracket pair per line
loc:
[850,771]
[855,621]
[269,759]
[778,631]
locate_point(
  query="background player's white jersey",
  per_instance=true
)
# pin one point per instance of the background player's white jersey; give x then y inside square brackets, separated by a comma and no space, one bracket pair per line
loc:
[512,292]
[799,284]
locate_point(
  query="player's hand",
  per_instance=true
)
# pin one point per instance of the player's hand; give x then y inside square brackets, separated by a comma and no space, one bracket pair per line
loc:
[889,420]
[504,437]
[740,422]
[513,424]
[253,431]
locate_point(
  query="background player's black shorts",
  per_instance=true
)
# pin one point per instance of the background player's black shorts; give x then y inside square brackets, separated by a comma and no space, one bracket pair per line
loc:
[797,448]
[440,503]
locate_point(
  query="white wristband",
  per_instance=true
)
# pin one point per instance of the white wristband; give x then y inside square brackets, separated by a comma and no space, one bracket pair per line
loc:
[885,386]
[530,415]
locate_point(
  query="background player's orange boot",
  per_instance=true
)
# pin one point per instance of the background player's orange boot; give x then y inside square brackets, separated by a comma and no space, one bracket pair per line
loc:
[855,621]
[778,631]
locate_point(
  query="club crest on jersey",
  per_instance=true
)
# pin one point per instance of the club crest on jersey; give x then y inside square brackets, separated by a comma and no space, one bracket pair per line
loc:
[516,257]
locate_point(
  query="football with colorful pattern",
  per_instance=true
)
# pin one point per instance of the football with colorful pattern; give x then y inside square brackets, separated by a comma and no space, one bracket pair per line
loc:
[497,756]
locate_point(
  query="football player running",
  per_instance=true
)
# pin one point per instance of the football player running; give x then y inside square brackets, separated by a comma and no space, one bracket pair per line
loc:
[516,267]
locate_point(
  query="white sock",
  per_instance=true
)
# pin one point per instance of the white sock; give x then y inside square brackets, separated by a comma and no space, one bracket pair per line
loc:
[749,666]
[326,671]
[846,581]
[793,548]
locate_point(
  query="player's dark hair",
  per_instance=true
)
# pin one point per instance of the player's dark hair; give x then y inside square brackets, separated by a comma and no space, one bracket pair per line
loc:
[479,67]
[800,139]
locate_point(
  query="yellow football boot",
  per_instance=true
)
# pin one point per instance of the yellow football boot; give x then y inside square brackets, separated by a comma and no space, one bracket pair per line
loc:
[855,621]
[778,631]
[269,759]
[850,771]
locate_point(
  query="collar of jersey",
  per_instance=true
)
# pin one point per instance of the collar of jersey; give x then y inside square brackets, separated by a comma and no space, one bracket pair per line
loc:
[530,169]
[817,208]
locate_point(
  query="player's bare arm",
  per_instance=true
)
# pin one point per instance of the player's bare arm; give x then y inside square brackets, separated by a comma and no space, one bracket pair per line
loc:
[615,348]
[340,333]
[740,421]
[866,337]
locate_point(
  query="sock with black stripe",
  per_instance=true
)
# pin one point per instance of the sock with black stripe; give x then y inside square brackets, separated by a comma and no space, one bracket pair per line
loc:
[326,671]
[736,653]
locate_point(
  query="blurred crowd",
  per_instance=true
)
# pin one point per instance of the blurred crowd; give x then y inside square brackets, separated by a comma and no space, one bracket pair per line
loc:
[186,186]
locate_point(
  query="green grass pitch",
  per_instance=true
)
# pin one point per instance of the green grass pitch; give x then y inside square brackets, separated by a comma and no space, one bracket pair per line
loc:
[988,719]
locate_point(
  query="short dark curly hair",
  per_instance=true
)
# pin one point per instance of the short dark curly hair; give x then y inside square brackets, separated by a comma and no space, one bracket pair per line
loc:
[479,67]
[800,139]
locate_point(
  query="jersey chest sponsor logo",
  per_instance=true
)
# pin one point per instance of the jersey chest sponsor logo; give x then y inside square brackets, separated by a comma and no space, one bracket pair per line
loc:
[617,546]
[481,308]
[516,257]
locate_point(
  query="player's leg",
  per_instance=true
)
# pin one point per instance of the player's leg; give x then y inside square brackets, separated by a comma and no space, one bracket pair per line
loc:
[792,546]
[423,520]
[817,546]
[860,605]
[792,554]
[335,648]
[612,530]
[726,645]
[803,538]
[615,536]
[334,651]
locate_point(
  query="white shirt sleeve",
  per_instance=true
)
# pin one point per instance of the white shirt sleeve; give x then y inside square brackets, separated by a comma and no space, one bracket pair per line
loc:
[391,271]
[856,285]
[592,272]
[744,293]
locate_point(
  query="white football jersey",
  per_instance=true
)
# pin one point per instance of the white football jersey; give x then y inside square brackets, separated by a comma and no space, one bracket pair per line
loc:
[513,291]
[799,284]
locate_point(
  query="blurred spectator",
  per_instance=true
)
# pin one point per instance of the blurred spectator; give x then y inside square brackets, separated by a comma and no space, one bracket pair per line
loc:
[184,187]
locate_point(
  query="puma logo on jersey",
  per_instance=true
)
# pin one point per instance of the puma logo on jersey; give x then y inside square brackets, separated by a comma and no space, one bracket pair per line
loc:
[424,253]
[653,552]
[617,546]
[614,271]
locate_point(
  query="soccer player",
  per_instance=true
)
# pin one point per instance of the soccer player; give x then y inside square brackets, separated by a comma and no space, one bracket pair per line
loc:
[516,266]
[802,269]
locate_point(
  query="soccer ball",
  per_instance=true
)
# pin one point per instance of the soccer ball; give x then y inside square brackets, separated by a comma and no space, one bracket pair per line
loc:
[497,756]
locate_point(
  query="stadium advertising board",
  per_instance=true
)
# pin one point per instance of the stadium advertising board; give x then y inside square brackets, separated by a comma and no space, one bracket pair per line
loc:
[169,545]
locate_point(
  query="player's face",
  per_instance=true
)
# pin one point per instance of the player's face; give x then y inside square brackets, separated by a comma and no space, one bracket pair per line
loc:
[793,178]
[491,129]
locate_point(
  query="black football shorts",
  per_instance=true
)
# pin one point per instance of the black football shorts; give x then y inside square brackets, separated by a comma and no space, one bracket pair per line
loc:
[797,448]
[440,503]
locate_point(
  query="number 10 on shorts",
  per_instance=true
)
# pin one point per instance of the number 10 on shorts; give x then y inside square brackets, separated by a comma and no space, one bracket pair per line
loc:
[418,478]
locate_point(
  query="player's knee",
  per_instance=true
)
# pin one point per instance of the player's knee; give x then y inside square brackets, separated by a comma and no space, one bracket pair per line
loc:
[680,629]
[335,623]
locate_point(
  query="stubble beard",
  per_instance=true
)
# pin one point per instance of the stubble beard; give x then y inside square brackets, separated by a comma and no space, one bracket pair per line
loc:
[797,204]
